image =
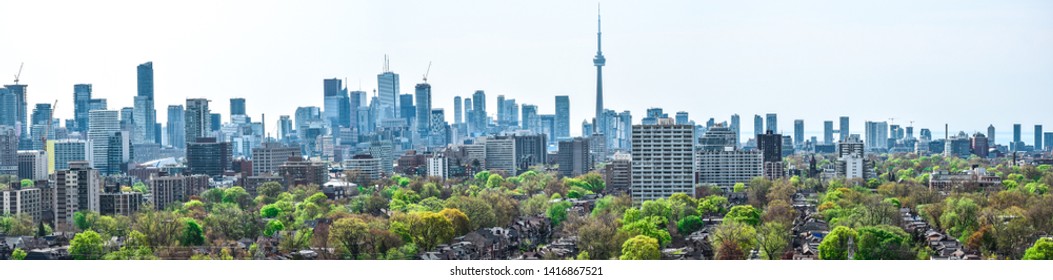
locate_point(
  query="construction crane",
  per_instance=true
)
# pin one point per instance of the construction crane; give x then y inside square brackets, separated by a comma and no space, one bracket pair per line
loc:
[51,115]
[426,72]
[19,72]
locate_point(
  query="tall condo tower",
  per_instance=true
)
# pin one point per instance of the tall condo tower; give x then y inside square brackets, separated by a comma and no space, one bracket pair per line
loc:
[599,61]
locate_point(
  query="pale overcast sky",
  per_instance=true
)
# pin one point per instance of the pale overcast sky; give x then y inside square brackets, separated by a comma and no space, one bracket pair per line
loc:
[969,63]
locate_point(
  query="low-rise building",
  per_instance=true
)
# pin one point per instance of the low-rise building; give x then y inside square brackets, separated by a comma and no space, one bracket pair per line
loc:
[28,201]
[120,203]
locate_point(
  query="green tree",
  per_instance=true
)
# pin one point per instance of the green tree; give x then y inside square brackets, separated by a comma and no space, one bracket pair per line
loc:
[959,217]
[598,235]
[347,234]
[495,181]
[506,207]
[739,187]
[480,212]
[773,238]
[272,227]
[482,177]
[688,224]
[26,183]
[557,212]
[270,211]
[835,244]
[17,225]
[430,230]
[86,245]
[18,254]
[883,242]
[733,240]
[744,214]
[458,219]
[1042,250]
[594,181]
[657,208]
[640,247]
[193,234]
[140,187]
[537,204]
[162,228]
[213,195]
[650,226]
[226,221]
[270,189]
[713,205]
[238,196]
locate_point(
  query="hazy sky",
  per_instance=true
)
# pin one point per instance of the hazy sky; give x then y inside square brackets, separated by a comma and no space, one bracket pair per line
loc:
[969,63]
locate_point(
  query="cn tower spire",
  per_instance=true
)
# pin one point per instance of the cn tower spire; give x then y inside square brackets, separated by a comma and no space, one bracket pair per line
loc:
[599,61]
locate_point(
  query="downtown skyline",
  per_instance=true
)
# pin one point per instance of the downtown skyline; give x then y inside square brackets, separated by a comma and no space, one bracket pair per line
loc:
[549,60]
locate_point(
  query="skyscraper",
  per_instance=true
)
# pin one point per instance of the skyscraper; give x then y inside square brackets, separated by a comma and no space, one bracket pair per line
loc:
[736,128]
[843,130]
[101,126]
[198,119]
[285,127]
[599,61]
[828,132]
[758,126]
[562,125]
[388,90]
[877,135]
[1017,142]
[145,115]
[407,111]
[357,101]
[530,118]
[798,132]
[81,105]
[457,110]
[237,106]
[772,121]
[215,122]
[991,135]
[1038,137]
[423,92]
[682,118]
[8,110]
[501,110]
[18,93]
[337,107]
[176,126]
[479,117]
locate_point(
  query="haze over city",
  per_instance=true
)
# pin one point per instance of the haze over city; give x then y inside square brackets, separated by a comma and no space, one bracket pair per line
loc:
[967,63]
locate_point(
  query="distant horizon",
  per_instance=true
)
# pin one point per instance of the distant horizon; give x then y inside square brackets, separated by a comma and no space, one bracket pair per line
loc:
[965,63]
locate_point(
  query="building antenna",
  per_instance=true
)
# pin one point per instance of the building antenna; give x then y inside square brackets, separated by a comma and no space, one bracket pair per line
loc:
[387,67]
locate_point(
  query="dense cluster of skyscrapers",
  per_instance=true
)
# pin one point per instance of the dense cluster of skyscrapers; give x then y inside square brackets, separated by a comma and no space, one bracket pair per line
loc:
[80,164]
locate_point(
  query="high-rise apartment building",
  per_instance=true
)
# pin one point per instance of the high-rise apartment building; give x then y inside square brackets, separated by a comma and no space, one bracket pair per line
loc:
[574,157]
[76,189]
[770,145]
[198,120]
[662,160]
